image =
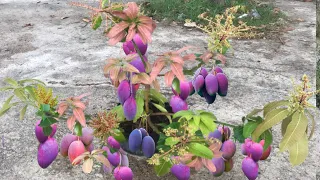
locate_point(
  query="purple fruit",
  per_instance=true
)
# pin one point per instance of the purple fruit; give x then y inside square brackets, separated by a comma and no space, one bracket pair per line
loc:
[123,91]
[220,166]
[124,160]
[113,142]
[255,151]
[226,132]
[87,136]
[148,146]
[144,132]
[184,90]
[135,140]
[250,168]
[114,158]
[106,169]
[123,173]
[198,83]
[90,147]
[223,84]
[203,72]
[211,84]
[178,104]
[181,171]
[215,134]
[40,134]
[217,70]
[228,165]
[192,91]
[243,149]
[47,152]
[228,149]
[130,108]
[76,148]
[137,63]
[65,143]
[209,99]
[128,46]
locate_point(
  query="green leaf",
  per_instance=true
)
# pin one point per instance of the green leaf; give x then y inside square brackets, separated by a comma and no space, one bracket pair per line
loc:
[200,150]
[196,119]
[182,113]
[257,119]
[298,152]
[78,129]
[47,122]
[118,135]
[30,90]
[6,106]
[254,112]
[171,141]
[249,128]
[208,120]
[273,117]
[47,130]
[96,23]
[20,94]
[269,107]
[23,112]
[160,108]
[104,3]
[285,124]
[11,82]
[6,88]
[204,129]
[157,96]
[295,130]
[163,168]
[45,107]
[176,85]
[119,111]
[313,124]
[238,133]
[140,105]
[193,126]
[267,136]
[31,80]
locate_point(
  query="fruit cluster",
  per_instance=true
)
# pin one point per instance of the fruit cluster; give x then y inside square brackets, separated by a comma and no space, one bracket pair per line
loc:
[48,149]
[118,160]
[208,84]
[228,148]
[73,146]
[139,139]
[254,152]
[178,101]
[126,90]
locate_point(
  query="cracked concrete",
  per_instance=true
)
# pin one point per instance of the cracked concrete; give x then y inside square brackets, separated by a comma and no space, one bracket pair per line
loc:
[68,56]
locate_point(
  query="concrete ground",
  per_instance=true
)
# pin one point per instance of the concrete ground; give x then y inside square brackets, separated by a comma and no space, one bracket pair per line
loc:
[36,42]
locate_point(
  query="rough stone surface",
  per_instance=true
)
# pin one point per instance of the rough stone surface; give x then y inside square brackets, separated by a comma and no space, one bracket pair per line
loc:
[68,56]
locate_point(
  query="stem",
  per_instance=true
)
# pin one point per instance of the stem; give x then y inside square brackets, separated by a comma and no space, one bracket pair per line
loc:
[141,57]
[161,114]
[225,124]
[146,98]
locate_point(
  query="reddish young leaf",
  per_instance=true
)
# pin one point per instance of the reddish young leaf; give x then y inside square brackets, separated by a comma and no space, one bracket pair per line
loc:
[131,32]
[157,68]
[114,73]
[122,76]
[113,41]
[117,29]
[189,57]
[156,84]
[221,58]
[168,78]
[79,104]
[82,96]
[183,49]
[78,113]
[177,59]
[120,14]
[132,10]
[62,108]
[70,122]
[206,57]
[209,164]
[196,163]
[141,78]
[177,70]
[130,68]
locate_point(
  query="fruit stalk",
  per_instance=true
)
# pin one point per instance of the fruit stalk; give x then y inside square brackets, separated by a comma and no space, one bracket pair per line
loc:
[225,124]
[147,90]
